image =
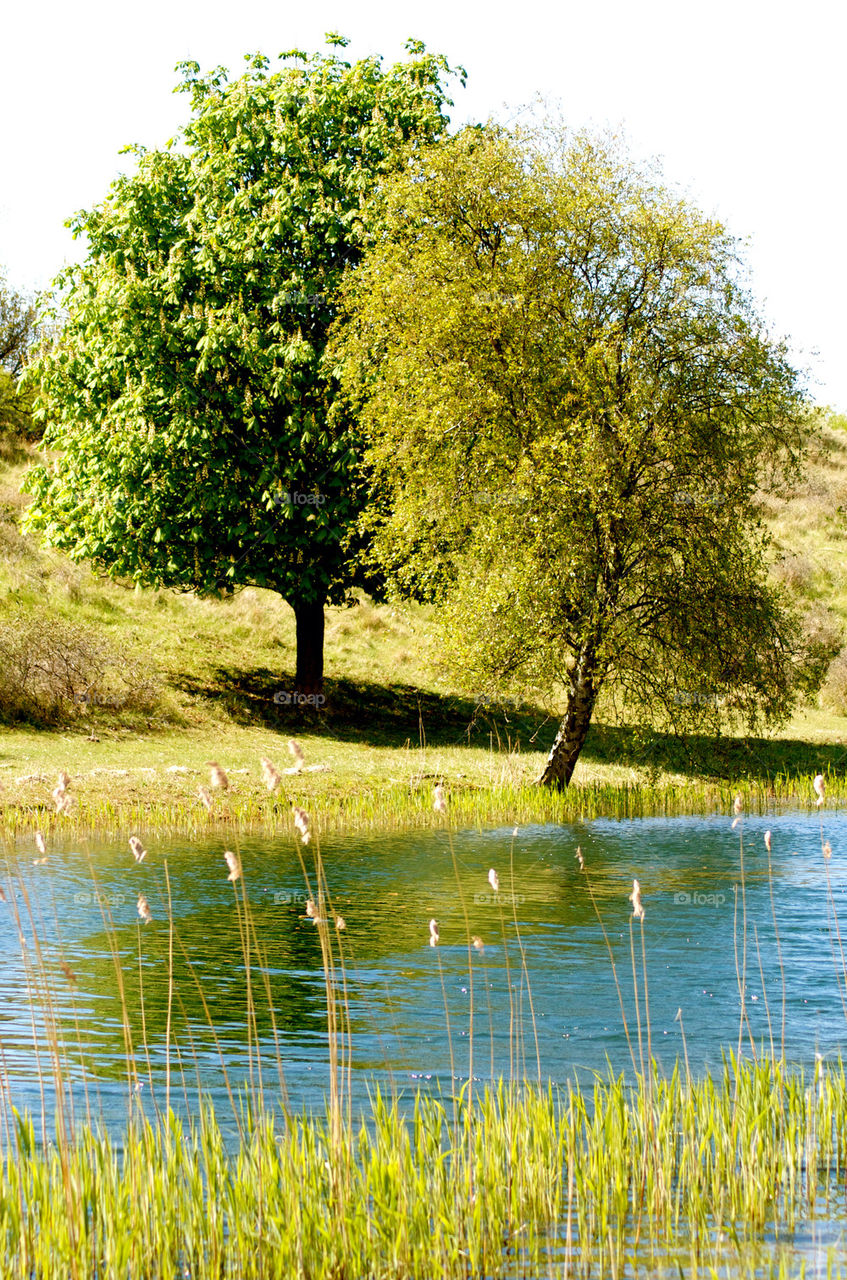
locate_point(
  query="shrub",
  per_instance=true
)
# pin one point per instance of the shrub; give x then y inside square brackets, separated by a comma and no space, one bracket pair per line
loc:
[834,688]
[53,671]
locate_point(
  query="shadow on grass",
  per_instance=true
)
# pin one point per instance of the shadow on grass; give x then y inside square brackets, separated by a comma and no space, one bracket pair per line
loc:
[398,715]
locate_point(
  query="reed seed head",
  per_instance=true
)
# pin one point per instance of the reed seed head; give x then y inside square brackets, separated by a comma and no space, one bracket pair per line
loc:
[635,899]
[494,880]
[768,841]
[64,781]
[301,822]
[433,933]
[299,758]
[827,850]
[205,799]
[439,803]
[144,909]
[39,842]
[478,944]
[579,858]
[217,776]
[138,850]
[820,788]
[270,775]
[311,910]
[234,863]
[340,923]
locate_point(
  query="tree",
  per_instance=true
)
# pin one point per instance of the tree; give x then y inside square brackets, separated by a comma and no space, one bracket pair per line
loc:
[571,405]
[17,334]
[186,393]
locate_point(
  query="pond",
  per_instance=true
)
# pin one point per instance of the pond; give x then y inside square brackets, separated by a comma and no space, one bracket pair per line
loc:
[233,994]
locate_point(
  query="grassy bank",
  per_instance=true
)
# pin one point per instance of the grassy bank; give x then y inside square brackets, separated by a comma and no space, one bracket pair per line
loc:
[396,719]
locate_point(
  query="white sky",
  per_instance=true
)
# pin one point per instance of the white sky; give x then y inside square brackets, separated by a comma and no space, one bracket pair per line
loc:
[743,99]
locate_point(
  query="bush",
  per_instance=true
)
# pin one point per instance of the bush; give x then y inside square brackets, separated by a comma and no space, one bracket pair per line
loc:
[834,688]
[53,671]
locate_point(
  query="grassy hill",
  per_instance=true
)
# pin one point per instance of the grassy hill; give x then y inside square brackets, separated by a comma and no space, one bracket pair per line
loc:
[184,681]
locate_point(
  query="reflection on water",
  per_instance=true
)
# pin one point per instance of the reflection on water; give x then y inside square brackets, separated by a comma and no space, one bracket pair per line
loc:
[543,975]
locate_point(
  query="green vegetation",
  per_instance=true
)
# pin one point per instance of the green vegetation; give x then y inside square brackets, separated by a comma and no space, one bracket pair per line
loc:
[187,394]
[523,1183]
[397,718]
[573,409]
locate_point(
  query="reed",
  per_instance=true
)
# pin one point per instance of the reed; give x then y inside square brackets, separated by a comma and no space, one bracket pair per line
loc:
[512,1178]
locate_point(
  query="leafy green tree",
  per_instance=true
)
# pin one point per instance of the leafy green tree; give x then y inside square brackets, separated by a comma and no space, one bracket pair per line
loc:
[186,396]
[572,405]
[17,334]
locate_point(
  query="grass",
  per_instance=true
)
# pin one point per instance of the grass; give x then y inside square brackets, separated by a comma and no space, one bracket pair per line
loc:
[658,1175]
[396,720]
[524,1183]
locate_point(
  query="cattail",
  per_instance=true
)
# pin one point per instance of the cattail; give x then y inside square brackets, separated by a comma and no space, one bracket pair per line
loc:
[39,842]
[820,789]
[270,775]
[827,850]
[144,909]
[635,899]
[234,864]
[301,822]
[494,880]
[579,858]
[478,945]
[205,798]
[768,841]
[433,933]
[340,923]
[299,758]
[64,781]
[64,802]
[138,850]
[439,803]
[218,777]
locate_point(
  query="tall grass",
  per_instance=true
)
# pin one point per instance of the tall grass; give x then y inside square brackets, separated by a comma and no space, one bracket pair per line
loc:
[620,1176]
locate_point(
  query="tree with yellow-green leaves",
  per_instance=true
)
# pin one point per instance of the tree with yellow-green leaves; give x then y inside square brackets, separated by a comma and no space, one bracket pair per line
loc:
[572,406]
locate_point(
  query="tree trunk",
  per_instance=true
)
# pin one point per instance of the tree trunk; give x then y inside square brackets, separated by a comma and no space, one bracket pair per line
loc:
[309,616]
[573,731]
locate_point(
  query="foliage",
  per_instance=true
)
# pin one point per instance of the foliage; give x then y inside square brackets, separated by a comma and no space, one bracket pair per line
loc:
[574,405]
[185,391]
[17,334]
[52,672]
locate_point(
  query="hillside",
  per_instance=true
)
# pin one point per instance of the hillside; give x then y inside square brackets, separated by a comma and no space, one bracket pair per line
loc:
[194,680]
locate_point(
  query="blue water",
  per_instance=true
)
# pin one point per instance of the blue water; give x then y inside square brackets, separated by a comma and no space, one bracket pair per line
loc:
[542,991]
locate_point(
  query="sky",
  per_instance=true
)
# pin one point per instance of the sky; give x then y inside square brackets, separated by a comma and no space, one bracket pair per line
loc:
[742,100]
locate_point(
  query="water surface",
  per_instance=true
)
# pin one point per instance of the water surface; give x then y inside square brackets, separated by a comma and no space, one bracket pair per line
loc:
[541,995]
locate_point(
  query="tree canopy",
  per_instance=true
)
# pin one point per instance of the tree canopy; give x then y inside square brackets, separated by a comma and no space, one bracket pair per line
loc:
[186,398]
[17,334]
[571,404]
